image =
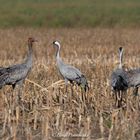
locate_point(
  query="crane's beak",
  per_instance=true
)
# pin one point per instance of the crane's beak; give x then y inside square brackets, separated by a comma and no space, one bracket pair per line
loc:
[53,43]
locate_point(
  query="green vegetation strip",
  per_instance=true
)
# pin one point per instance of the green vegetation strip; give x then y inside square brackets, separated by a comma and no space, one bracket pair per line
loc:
[70,13]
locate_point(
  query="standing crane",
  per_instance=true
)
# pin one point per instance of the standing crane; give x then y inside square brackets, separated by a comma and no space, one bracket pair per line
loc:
[68,72]
[119,80]
[16,74]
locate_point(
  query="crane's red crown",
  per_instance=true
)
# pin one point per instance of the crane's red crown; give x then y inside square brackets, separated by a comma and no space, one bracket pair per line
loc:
[31,39]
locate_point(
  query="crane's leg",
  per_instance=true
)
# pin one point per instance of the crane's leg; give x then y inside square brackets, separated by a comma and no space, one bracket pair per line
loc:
[124,100]
[66,84]
[118,99]
[119,102]
[16,103]
[72,85]
[18,100]
[21,90]
[135,91]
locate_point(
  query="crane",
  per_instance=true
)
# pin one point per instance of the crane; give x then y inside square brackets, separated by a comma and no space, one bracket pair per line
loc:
[68,72]
[119,80]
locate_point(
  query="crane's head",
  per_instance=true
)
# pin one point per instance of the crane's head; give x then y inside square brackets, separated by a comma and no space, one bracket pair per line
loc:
[31,40]
[56,43]
[120,49]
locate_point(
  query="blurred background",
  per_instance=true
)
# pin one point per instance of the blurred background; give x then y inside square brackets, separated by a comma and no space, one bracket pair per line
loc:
[69,13]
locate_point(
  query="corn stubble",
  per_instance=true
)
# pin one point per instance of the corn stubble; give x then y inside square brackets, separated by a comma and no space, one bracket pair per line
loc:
[46,111]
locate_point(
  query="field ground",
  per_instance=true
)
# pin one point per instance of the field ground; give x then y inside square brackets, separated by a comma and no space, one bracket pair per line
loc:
[46,111]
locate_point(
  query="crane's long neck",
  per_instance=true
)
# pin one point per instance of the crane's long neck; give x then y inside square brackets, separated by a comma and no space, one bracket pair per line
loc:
[121,58]
[29,55]
[58,52]
[58,59]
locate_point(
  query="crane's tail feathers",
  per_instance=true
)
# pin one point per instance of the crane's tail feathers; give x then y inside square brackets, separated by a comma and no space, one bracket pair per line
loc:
[86,87]
[82,81]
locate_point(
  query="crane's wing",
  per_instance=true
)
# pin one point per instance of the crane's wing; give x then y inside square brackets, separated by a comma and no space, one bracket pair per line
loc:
[134,77]
[14,74]
[70,72]
[18,73]
[73,74]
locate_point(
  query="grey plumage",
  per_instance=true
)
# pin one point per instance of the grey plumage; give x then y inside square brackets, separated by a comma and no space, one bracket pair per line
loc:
[119,79]
[16,74]
[134,79]
[69,72]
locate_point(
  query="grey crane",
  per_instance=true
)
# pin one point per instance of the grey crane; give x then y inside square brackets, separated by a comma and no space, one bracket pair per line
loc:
[68,72]
[119,80]
[16,74]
